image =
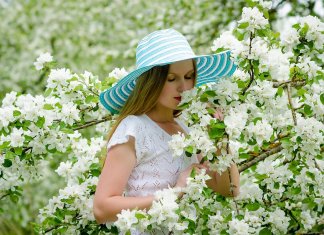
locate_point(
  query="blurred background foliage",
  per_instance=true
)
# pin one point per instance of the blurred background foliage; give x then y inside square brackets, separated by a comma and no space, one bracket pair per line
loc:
[98,36]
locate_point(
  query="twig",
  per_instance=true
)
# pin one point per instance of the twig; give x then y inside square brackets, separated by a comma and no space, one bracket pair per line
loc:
[230,179]
[292,83]
[91,123]
[251,71]
[259,158]
[302,106]
[291,104]
[294,218]
[3,196]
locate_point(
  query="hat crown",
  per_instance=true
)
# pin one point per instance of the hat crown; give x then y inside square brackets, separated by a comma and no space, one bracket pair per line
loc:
[162,47]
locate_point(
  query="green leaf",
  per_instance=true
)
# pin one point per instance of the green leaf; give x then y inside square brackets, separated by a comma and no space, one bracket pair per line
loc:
[244,156]
[265,231]
[304,30]
[48,92]
[91,98]
[253,206]
[10,155]
[301,92]
[40,122]
[255,120]
[78,88]
[14,198]
[216,133]
[139,216]
[240,83]
[16,113]
[95,172]
[48,107]
[7,163]
[308,110]
[210,93]
[193,173]
[243,25]
[296,26]
[296,191]
[280,91]
[4,144]
[67,130]
[322,98]
[18,150]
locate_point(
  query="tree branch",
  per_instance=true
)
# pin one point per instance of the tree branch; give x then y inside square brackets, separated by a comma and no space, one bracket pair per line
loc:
[260,158]
[293,112]
[292,83]
[91,123]
[251,71]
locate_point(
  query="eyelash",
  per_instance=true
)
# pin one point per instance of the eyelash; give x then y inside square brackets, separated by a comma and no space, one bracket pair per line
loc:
[190,77]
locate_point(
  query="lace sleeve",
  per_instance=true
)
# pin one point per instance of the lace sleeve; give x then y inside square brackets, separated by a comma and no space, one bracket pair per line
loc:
[129,126]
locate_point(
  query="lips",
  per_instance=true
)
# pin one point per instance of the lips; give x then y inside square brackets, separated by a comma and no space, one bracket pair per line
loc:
[178,98]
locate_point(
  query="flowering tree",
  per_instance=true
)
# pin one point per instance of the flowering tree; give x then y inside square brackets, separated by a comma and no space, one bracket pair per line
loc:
[273,129]
[93,34]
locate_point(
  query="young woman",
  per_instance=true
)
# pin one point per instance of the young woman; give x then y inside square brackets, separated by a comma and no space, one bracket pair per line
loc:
[139,161]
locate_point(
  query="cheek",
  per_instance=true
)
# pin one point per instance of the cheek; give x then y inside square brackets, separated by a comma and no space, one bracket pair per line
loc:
[190,84]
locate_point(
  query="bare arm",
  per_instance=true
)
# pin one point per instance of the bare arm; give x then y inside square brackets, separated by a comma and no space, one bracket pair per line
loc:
[108,199]
[222,183]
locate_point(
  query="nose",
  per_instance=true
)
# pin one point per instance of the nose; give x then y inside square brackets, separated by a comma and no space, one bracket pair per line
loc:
[182,85]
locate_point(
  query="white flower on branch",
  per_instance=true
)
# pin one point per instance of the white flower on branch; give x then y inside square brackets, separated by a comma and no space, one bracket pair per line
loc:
[277,63]
[314,32]
[254,17]
[261,131]
[177,144]
[126,220]
[238,227]
[279,221]
[235,121]
[307,220]
[309,67]
[70,113]
[42,59]
[289,38]
[58,78]
[9,99]
[118,73]
[228,41]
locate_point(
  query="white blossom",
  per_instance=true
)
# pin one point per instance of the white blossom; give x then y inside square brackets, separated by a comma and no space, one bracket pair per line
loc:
[314,33]
[42,59]
[254,17]
[177,144]
[118,73]
[9,99]
[277,63]
[279,221]
[126,219]
[239,227]
[261,131]
[58,78]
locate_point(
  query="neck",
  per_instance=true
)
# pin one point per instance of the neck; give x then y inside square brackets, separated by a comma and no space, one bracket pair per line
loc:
[161,116]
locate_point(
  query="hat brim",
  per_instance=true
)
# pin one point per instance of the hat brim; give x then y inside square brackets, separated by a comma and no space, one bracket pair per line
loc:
[210,68]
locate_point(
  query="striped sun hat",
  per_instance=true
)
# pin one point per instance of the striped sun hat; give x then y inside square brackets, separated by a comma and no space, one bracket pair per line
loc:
[166,47]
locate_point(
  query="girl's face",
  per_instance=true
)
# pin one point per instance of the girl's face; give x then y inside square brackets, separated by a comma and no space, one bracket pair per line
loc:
[181,77]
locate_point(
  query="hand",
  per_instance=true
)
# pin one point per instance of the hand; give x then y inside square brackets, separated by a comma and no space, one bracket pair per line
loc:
[218,114]
[182,179]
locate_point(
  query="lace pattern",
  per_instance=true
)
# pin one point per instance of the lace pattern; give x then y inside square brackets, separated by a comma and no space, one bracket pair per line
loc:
[155,168]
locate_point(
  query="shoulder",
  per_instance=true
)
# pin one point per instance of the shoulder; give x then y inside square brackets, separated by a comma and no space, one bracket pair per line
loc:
[133,120]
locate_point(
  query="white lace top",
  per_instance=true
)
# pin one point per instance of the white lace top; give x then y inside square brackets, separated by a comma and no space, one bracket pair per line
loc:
[155,168]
